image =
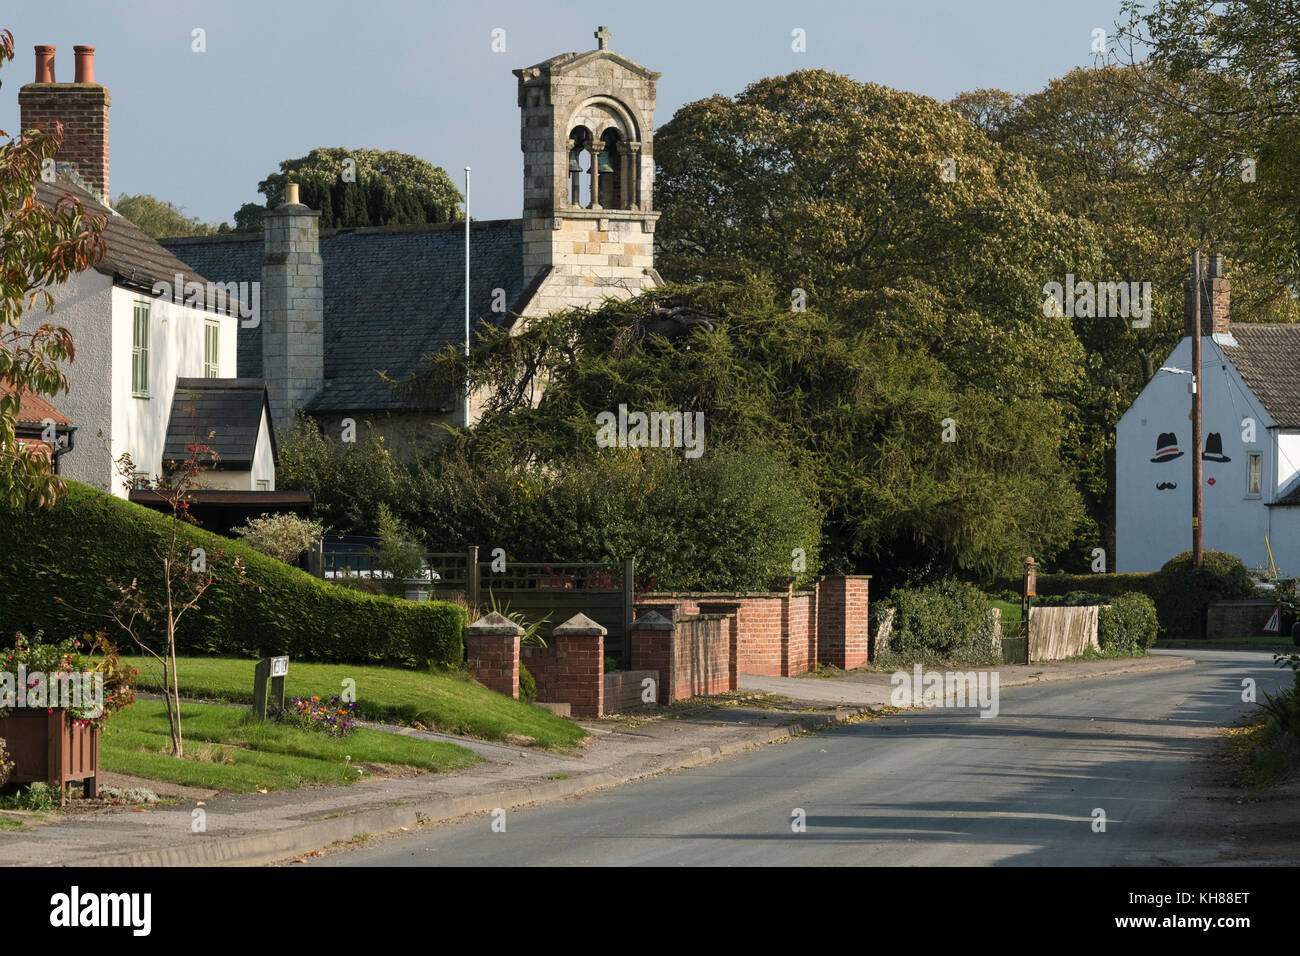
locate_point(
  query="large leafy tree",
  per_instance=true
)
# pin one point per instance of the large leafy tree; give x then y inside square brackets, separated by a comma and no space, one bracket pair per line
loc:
[40,247]
[889,210]
[859,419]
[1105,144]
[360,187]
[1234,67]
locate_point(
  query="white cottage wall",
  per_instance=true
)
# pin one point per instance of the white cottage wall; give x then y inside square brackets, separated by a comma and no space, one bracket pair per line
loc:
[1154,523]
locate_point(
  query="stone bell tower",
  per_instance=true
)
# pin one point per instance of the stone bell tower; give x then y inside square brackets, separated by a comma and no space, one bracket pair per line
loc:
[588,141]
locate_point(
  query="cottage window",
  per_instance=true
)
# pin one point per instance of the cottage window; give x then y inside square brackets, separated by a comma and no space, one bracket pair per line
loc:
[140,351]
[1253,472]
[211,349]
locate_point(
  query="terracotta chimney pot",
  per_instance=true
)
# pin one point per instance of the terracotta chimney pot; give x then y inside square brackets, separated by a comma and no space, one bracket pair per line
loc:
[85,63]
[44,64]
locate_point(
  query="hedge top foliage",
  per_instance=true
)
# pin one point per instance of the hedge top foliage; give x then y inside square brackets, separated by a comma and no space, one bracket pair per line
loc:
[948,620]
[56,566]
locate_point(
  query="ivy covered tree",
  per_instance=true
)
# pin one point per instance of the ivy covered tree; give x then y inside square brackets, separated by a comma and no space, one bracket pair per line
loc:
[40,247]
[360,187]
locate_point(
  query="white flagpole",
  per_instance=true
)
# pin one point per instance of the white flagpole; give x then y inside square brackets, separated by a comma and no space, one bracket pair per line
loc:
[467,293]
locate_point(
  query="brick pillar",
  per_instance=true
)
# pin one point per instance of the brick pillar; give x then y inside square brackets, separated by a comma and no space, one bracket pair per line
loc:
[580,665]
[654,648]
[492,646]
[732,610]
[843,627]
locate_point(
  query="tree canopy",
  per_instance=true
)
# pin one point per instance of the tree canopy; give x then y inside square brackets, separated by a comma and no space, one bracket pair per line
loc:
[909,468]
[161,219]
[359,187]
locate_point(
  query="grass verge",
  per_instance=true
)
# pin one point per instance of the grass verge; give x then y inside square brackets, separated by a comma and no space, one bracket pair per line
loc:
[445,701]
[226,750]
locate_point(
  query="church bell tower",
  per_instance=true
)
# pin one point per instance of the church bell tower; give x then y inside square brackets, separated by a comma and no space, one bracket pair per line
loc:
[588,141]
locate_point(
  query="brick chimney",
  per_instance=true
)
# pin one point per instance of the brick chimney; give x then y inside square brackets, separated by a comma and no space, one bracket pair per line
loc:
[1216,292]
[82,108]
[293,308]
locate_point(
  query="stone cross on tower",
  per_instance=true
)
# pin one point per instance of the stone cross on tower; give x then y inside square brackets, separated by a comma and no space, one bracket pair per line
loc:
[602,36]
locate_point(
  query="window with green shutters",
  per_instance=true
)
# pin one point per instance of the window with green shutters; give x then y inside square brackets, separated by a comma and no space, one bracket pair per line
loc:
[211,353]
[140,351]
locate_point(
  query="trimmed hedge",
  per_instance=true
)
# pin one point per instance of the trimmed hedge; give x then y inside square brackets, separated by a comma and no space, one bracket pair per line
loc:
[950,620]
[71,551]
[1128,624]
[1180,594]
[1106,585]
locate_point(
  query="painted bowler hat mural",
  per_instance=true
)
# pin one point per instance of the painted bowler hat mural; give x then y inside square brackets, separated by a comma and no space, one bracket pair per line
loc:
[1214,448]
[1167,447]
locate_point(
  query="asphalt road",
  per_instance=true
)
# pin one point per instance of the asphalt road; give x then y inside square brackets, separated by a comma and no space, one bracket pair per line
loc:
[925,788]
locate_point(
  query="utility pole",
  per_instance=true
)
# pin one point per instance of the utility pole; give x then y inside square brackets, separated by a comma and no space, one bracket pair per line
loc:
[1198,550]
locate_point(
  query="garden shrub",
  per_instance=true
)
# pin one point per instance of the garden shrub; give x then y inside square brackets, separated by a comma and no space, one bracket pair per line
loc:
[949,621]
[1128,624]
[6,765]
[527,685]
[1182,593]
[56,565]
[284,536]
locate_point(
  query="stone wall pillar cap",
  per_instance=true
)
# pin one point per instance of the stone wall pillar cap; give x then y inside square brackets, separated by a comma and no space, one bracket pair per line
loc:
[496,624]
[653,621]
[580,626]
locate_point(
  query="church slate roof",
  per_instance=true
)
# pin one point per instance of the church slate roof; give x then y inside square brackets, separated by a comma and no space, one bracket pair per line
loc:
[228,409]
[393,294]
[1268,358]
[132,258]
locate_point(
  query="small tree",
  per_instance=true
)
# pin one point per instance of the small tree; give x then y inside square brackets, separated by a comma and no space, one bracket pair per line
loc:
[39,249]
[399,557]
[186,574]
[282,536]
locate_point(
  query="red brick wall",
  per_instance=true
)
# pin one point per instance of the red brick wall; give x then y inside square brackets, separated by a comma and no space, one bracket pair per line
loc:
[496,661]
[766,626]
[82,108]
[1237,618]
[692,659]
[801,632]
[623,690]
[571,670]
[703,656]
[844,632]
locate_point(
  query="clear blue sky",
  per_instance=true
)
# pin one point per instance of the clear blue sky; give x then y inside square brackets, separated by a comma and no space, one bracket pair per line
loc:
[280,77]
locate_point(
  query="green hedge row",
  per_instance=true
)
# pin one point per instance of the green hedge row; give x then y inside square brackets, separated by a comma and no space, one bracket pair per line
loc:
[72,551]
[1107,585]
[1179,593]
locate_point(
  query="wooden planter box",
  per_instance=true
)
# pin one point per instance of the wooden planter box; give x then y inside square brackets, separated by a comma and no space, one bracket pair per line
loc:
[48,747]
